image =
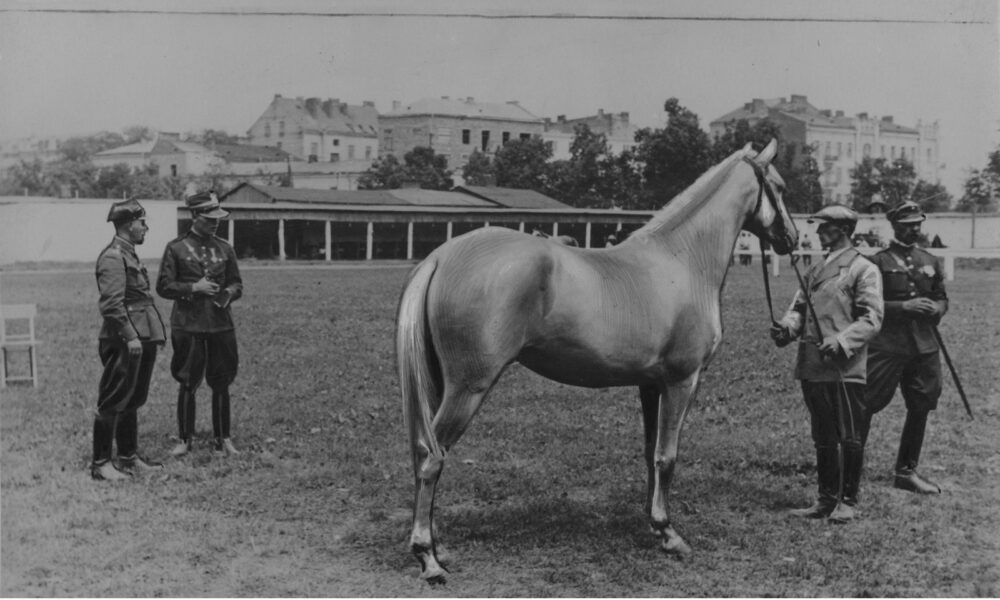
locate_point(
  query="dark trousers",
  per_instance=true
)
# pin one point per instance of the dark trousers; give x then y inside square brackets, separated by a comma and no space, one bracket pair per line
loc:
[918,377]
[213,357]
[839,427]
[124,387]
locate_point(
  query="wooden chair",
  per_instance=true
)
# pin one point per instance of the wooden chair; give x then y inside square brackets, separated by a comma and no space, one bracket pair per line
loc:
[21,339]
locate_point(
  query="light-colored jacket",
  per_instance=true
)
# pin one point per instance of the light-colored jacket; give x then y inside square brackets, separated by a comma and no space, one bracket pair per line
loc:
[847,296]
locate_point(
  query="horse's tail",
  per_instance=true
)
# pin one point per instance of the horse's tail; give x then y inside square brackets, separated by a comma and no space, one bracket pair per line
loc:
[417,362]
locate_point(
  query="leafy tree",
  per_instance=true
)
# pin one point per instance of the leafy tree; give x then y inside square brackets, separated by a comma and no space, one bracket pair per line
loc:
[894,181]
[932,197]
[428,169]
[210,137]
[522,164]
[479,169]
[671,158]
[386,173]
[980,192]
[28,178]
[137,133]
[740,133]
[84,147]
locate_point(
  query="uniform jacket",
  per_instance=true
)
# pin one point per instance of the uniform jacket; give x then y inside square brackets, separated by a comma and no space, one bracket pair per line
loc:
[186,260]
[847,296]
[907,273]
[126,300]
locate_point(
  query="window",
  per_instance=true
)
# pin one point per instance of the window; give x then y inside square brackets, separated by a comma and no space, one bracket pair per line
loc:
[281,129]
[839,149]
[267,130]
[525,137]
[336,141]
[443,137]
[892,152]
[173,170]
[486,139]
[827,149]
[466,136]
[902,152]
[850,149]
[368,152]
[928,156]
[313,149]
[505,137]
[882,154]
[867,150]
[350,152]
[313,158]
[334,157]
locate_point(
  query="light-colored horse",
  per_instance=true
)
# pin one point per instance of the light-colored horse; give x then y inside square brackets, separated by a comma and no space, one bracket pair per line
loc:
[644,313]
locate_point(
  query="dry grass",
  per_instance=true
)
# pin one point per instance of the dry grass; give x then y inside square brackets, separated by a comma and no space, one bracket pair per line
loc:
[543,496]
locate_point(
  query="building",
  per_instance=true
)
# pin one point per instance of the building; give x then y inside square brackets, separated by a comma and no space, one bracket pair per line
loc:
[29,149]
[839,141]
[455,127]
[315,130]
[619,133]
[171,156]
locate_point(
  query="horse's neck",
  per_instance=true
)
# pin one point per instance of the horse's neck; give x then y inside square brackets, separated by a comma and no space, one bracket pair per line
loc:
[706,237]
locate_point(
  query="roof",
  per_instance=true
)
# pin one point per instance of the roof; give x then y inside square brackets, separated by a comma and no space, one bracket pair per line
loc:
[143,147]
[403,197]
[799,109]
[468,107]
[248,153]
[328,116]
[511,198]
[612,126]
[159,145]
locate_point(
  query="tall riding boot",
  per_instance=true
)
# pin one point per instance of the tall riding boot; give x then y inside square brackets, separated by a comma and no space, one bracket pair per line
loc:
[828,479]
[221,421]
[185,421]
[127,437]
[854,457]
[910,443]
[101,468]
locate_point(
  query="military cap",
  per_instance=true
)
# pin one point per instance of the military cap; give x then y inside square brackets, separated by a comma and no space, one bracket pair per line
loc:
[205,204]
[907,212]
[126,211]
[835,213]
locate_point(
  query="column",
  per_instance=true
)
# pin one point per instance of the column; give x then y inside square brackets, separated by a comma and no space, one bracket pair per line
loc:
[586,237]
[447,236]
[327,244]
[520,227]
[281,239]
[555,229]
[232,233]
[371,241]
[409,241]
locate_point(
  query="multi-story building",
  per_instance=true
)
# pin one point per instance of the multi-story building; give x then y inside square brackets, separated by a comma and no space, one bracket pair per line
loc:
[619,133]
[455,127]
[29,149]
[315,130]
[171,156]
[840,142]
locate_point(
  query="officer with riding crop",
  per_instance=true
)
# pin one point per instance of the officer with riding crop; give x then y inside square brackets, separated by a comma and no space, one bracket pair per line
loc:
[835,315]
[131,332]
[905,354]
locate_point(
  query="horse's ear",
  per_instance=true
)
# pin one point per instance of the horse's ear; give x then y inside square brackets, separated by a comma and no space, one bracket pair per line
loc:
[767,154]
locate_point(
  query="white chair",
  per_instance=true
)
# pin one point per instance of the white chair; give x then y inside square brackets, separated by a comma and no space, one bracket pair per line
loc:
[21,339]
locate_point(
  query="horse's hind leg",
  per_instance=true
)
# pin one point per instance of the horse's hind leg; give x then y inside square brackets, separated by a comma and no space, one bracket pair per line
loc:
[649,397]
[457,408]
[674,403]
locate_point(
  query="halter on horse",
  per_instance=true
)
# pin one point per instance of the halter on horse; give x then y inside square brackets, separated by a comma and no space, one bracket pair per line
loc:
[645,313]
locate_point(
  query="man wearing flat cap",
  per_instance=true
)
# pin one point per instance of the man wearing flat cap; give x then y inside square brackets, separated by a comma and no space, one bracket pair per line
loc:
[130,334]
[846,293]
[199,273]
[905,353]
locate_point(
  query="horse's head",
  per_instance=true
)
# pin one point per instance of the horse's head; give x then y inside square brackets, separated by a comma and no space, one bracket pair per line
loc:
[768,218]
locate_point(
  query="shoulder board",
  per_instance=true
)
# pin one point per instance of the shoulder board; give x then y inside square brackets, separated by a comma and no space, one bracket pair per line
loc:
[112,249]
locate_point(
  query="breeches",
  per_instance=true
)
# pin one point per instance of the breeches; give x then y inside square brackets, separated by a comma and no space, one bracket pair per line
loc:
[209,356]
[836,412]
[918,377]
[125,382]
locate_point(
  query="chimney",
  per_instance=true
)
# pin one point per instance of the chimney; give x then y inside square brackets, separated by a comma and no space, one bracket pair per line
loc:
[470,99]
[561,119]
[445,98]
[343,107]
[747,106]
[758,105]
[312,106]
[328,108]
[370,103]
[799,99]
[395,105]
[887,119]
[623,117]
[826,113]
[277,96]
[840,113]
[863,116]
[600,112]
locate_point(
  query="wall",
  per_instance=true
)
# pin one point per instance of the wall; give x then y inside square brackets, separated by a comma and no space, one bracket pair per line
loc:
[48,229]
[955,229]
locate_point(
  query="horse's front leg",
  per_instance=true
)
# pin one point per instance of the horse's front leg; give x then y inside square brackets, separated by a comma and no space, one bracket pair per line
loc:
[674,402]
[649,397]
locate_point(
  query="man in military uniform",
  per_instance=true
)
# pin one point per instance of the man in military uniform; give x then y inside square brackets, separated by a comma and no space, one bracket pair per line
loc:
[131,331]
[905,354]
[846,293]
[199,273]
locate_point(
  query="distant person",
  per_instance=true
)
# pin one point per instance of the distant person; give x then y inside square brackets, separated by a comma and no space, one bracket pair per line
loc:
[905,354]
[200,274]
[131,332]
[806,244]
[846,292]
[745,257]
[610,241]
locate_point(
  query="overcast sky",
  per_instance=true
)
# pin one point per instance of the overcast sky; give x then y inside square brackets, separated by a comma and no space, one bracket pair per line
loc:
[78,67]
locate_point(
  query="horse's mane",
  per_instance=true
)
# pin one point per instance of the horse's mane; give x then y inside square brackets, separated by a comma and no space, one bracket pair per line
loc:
[683,205]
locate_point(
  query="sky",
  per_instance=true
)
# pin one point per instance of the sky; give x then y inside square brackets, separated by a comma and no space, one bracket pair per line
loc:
[69,68]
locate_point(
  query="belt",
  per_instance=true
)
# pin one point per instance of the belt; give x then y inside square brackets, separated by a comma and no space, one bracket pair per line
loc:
[139,302]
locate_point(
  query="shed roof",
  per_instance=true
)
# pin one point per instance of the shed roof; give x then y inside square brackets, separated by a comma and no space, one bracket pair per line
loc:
[512,198]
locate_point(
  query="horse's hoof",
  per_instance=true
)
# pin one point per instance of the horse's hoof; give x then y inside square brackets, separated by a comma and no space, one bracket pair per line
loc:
[442,555]
[675,547]
[434,576]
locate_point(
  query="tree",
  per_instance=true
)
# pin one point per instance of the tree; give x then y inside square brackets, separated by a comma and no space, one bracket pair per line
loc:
[83,147]
[211,137]
[522,164]
[137,133]
[671,158]
[740,133]
[893,181]
[428,169]
[932,197]
[27,178]
[980,192]
[479,170]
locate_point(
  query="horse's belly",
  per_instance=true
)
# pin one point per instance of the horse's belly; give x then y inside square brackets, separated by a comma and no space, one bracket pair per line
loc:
[585,369]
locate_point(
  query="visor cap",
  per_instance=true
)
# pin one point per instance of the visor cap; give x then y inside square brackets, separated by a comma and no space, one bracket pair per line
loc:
[126,211]
[205,204]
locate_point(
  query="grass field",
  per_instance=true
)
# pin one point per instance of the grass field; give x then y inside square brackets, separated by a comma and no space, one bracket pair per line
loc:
[543,496]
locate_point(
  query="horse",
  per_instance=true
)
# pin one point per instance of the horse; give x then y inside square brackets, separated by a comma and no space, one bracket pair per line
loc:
[643,313]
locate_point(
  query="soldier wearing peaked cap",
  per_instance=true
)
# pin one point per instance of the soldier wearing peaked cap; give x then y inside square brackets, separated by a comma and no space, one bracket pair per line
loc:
[131,332]
[200,274]
[905,354]
[846,293]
